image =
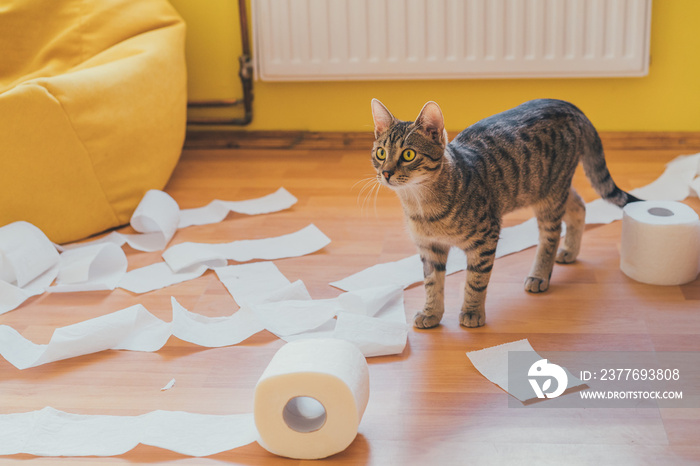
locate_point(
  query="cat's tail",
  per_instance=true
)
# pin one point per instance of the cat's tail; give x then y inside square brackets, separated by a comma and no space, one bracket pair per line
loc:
[597,172]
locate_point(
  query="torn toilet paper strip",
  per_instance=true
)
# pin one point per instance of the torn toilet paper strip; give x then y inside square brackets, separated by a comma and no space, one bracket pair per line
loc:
[674,184]
[49,432]
[252,283]
[132,328]
[492,362]
[158,217]
[187,261]
[305,241]
[217,210]
[159,275]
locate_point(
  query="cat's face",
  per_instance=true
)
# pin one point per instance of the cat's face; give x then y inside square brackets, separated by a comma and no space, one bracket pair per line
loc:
[406,153]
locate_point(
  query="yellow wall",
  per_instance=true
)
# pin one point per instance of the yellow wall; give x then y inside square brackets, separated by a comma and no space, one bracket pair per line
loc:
[668,99]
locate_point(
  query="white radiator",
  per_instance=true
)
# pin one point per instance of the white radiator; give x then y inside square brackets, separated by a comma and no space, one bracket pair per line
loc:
[305,40]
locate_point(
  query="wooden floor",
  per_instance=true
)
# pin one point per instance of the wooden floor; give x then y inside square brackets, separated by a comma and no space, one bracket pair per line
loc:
[428,405]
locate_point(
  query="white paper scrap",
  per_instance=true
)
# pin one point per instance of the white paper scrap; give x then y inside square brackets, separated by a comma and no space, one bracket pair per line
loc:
[382,330]
[305,241]
[251,283]
[492,362]
[293,317]
[217,210]
[49,432]
[168,385]
[374,336]
[373,319]
[214,332]
[401,273]
[159,275]
[28,264]
[90,268]
[674,183]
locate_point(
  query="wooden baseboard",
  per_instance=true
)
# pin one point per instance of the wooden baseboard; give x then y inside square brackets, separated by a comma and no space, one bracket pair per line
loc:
[310,140]
[278,140]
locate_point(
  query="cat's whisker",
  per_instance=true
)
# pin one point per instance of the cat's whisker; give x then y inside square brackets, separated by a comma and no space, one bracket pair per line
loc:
[376,195]
[367,192]
[369,178]
[366,188]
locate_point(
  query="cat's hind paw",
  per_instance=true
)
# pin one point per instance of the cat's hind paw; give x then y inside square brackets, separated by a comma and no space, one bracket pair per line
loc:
[423,320]
[565,257]
[536,285]
[472,319]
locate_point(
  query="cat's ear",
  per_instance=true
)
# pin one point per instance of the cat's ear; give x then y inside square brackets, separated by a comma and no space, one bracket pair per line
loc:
[431,122]
[383,118]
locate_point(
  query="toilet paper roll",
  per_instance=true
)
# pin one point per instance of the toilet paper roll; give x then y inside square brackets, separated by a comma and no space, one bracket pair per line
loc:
[660,242]
[311,397]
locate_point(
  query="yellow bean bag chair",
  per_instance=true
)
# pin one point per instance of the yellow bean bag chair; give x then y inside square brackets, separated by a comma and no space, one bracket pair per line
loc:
[92,110]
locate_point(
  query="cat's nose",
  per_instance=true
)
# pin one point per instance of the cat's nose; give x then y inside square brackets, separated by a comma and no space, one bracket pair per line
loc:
[387,174]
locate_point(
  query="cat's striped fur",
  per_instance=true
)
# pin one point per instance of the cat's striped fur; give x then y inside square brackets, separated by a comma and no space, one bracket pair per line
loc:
[455,194]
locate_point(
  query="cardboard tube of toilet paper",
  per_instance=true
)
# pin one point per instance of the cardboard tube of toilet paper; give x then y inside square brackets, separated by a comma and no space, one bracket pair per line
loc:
[660,242]
[311,397]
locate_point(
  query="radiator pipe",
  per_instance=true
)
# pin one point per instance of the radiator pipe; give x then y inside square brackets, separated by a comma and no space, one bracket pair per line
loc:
[245,73]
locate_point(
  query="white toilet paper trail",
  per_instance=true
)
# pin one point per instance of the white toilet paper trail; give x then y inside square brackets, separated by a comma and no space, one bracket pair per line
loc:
[158,217]
[187,261]
[28,264]
[287,311]
[305,241]
[217,210]
[329,376]
[49,432]
[492,362]
[132,328]
[682,174]
[660,243]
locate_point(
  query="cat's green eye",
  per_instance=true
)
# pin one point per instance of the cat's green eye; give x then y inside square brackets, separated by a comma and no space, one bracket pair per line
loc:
[408,155]
[381,153]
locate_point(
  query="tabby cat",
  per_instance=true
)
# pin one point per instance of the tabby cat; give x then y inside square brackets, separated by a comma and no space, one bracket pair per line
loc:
[455,194]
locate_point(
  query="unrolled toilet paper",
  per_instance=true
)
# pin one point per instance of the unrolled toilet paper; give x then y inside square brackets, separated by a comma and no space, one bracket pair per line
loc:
[28,263]
[660,243]
[311,397]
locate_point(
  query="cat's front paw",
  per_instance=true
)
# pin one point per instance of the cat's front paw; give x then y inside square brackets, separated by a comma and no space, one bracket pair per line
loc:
[423,320]
[536,285]
[472,318]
